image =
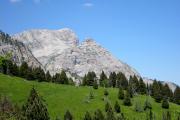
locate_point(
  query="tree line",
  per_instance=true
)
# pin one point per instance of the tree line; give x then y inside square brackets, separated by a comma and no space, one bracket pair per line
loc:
[134,86]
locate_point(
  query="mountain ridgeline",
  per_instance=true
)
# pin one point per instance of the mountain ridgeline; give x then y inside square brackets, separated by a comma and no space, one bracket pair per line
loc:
[57,50]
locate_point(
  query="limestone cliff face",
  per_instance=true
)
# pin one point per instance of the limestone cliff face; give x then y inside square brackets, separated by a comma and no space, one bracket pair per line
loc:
[60,49]
[18,50]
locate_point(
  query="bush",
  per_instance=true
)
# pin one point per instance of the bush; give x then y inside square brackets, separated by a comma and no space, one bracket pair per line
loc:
[106,92]
[165,103]
[147,105]
[87,116]
[68,115]
[117,107]
[127,100]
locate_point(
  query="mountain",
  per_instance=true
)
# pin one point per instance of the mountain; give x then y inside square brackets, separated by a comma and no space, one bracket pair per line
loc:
[19,52]
[60,49]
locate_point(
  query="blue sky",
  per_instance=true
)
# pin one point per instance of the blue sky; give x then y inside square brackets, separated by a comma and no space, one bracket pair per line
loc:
[143,33]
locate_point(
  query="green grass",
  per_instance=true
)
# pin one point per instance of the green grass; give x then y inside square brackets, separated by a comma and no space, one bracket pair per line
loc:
[59,98]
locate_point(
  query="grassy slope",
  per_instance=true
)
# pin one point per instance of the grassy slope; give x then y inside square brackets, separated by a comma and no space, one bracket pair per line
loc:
[59,98]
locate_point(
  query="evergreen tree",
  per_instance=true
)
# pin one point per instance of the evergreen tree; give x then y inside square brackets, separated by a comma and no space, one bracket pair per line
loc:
[120,117]
[121,93]
[142,86]
[30,75]
[165,103]
[166,91]
[107,106]
[91,76]
[35,109]
[110,114]
[48,77]
[98,115]
[102,79]
[63,78]
[134,84]
[95,85]
[130,91]
[127,100]
[157,96]
[117,107]
[68,115]
[84,81]
[176,97]
[106,93]
[87,116]
[23,70]
[122,81]
[138,107]
[112,79]
[147,105]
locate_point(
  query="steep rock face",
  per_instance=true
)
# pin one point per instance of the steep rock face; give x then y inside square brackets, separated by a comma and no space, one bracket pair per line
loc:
[88,56]
[59,49]
[18,50]
[46,44]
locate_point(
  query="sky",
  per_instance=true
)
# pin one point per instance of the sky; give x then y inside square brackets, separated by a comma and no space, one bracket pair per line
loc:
[143,33]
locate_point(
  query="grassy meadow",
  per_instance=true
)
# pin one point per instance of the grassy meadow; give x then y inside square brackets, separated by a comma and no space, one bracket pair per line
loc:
[60,98]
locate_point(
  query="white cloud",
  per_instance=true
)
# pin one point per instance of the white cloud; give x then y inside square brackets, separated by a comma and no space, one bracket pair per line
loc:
[14,1]
[88,4]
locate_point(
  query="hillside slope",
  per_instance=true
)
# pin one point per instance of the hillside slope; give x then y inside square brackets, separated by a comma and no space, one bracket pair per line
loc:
[59,98]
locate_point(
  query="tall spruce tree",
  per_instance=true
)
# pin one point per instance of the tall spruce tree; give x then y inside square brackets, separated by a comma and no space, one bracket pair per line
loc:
[98,115]
[48,77]
[120,93]
[68,115]
[102,79]
[142,86]
[165,103]
[63,78]
[87,116]
[35,109]
[117,107]
[23,69]
[176,97]
[110,114]
[127,99]
[112,79]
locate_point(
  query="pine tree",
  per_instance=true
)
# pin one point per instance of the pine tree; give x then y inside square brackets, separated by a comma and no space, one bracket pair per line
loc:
[48,77]
[106,93]
[87,116]
[142,86]
[84,81]
[121,93]
[102,79]
[35,109]
[110,114]
[147,105]
[112,79]
[117,107]
[127,100]
[122,81]
[68,115]
[91,76]
[23,69]
[166,91]
[165,103]
[63,78]
[176,97]
[138,107]
[98,115]
[107,106]
[95,85]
